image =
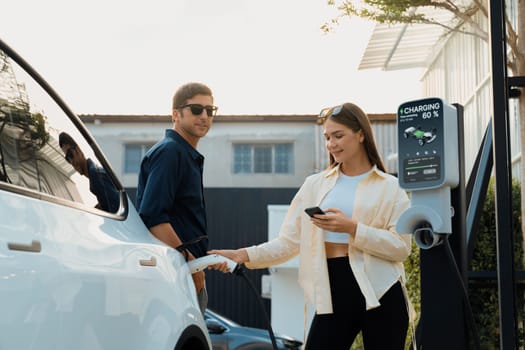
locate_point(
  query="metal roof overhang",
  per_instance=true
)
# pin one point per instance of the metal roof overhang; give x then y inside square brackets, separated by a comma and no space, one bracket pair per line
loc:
[404,46]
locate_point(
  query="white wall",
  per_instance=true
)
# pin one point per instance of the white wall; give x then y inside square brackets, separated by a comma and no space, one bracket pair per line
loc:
[112,137]
[216,147]
[218,150]
[287,297]
[460,73]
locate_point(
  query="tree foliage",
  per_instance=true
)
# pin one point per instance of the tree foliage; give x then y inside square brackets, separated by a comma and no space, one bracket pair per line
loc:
[33,124]
[423,11]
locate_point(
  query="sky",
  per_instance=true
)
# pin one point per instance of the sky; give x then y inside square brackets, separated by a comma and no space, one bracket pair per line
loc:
[258,56]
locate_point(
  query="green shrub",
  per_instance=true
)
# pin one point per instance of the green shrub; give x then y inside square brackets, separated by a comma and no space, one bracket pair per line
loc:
[484,295]
[413,284]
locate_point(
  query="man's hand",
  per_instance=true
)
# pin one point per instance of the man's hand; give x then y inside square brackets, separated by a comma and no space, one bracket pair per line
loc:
[198,277]
[165,233]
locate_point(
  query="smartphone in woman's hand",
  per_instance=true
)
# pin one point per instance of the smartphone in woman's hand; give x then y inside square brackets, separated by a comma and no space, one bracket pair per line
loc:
[314,210]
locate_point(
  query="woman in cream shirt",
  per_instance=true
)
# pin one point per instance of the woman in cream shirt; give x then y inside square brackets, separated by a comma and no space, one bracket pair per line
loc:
[351,258]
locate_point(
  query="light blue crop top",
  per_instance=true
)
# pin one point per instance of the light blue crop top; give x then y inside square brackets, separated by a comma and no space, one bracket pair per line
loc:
[342,197]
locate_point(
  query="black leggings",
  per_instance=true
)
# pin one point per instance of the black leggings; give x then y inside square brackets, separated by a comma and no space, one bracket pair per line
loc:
[384,327]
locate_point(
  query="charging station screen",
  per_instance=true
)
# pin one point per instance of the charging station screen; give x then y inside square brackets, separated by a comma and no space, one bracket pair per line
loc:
[421,148]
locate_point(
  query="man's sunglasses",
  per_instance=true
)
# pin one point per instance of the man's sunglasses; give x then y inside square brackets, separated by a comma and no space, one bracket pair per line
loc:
[327,112]
[69,155]
[196,109]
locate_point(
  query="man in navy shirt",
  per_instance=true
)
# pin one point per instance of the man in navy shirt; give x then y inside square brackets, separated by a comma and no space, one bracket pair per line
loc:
[170,197]
[100,183]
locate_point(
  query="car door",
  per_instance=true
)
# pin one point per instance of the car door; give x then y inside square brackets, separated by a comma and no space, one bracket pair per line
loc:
[27,278]
[28,273]
[116,288]
[79,269]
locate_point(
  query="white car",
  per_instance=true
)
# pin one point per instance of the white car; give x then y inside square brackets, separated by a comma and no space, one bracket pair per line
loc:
[78,268]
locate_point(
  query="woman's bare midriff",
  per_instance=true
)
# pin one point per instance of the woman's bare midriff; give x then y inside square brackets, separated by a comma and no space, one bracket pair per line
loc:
[335,250]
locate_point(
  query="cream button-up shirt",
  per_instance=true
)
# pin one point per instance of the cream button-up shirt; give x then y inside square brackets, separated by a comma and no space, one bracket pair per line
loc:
[376,254]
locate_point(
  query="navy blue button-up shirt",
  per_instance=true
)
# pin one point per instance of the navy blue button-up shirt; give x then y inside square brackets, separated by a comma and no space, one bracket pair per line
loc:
[170,190]
[102,187]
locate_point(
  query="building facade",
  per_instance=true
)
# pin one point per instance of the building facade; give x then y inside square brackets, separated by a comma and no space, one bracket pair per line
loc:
[241,151]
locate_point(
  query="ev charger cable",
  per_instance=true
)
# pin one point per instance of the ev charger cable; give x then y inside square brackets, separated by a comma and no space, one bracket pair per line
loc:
[201,263]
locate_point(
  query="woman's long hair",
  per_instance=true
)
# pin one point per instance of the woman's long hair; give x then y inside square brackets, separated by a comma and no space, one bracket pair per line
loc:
[353,117]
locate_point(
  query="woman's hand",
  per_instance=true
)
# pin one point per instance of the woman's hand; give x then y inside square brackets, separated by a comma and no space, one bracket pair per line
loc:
[336,221]
[240,256]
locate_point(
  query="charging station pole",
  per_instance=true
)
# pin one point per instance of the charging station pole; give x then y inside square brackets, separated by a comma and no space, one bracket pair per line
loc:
[442,301]
[502,165]
[430,156]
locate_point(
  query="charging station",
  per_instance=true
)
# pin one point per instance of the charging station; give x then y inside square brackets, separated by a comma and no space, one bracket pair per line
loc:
[428,167]
[431,169]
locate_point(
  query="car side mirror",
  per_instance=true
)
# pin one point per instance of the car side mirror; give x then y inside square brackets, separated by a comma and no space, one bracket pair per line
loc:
[214,327]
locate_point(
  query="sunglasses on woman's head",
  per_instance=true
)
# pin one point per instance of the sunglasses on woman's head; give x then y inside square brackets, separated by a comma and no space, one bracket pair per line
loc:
[196,109]
[327,112]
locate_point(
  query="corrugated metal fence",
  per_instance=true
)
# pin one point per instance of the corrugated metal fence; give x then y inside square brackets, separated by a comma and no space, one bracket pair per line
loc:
[237,217]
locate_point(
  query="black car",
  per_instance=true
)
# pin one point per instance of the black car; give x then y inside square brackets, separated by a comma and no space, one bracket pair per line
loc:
[225,334]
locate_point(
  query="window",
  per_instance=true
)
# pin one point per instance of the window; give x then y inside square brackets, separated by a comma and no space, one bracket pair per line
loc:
[133,154]
[41,151]
[263,158]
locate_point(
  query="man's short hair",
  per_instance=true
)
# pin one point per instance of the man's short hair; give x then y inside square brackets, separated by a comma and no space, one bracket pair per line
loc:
[189,90]
[65,139]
